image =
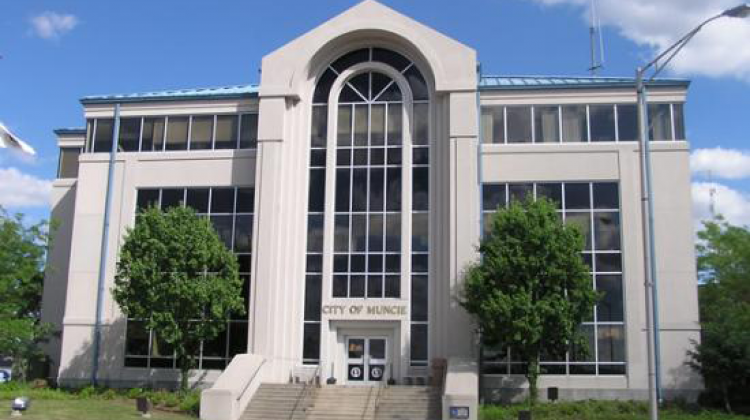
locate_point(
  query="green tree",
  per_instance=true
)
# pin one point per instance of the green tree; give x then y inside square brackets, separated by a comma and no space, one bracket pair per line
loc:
[723,355]
[176,275]
[531,288]
[22,264]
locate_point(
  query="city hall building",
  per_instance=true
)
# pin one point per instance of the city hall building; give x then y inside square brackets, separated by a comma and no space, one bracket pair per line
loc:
[352,183]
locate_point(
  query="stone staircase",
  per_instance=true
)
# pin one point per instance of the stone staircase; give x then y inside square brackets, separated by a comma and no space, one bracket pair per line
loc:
[297,402]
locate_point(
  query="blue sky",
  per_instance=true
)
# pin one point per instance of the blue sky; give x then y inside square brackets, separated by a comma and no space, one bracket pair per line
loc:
[54,52]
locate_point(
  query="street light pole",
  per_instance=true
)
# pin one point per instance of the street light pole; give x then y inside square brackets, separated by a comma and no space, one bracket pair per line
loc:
[647,206]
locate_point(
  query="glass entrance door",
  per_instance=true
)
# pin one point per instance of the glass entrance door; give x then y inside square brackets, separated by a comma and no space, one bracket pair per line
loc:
[367,358]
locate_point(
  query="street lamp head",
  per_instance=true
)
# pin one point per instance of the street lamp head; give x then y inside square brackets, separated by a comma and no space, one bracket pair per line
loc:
[741,11]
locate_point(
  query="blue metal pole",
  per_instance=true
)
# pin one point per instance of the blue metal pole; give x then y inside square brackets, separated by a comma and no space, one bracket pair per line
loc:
[105,247]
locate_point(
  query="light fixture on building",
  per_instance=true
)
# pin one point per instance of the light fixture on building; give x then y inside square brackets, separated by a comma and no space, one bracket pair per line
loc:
[741,11]
[19,405]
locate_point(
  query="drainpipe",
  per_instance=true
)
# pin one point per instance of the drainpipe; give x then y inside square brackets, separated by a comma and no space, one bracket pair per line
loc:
[481,218]
[105,247]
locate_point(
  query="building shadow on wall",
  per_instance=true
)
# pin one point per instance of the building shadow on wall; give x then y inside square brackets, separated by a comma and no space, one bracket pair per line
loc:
[112,370]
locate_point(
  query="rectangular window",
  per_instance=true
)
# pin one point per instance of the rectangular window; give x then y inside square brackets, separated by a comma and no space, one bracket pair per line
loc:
[130,134]
[177,133]
[493,124]
[602,119]
[103,135]
[574,126]
[68,164]
[547,124]
[201,132]
[519,124]
[153,134]
[679,121]
[249,131]
[234,224]
[595,208]
[660,121]
[627,122]
[226,132]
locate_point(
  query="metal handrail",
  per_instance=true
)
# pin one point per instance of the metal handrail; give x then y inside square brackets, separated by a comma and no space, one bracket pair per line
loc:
[305,391]
[247,384]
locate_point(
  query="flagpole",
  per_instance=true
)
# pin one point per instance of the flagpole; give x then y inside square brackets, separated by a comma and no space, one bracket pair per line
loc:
[105,247]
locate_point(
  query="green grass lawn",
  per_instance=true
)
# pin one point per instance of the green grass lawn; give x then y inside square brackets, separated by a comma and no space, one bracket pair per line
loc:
[85,409]
[601,410]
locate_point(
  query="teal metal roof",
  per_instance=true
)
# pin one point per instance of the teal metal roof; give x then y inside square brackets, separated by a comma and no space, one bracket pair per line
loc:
[568,82]
[70,131]
[224,92]
[486,83]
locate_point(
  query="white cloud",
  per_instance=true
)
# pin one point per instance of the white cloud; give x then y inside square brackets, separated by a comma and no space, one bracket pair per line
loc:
[52,25]
[720,49]
[732,204]
[721,163]
[18,189]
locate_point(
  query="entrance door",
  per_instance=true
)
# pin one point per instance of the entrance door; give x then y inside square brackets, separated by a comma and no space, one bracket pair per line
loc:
[367,358]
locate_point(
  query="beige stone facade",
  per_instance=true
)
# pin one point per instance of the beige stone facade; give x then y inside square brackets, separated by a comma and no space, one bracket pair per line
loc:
[460,153]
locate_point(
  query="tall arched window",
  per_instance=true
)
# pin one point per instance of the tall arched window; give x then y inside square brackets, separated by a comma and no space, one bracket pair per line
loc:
[381,196]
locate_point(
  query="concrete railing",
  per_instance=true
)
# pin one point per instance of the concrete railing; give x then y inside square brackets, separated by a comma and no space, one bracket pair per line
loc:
[461,390]
[232,392]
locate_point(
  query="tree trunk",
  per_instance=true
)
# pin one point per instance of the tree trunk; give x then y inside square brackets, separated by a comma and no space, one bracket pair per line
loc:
[532,376]
[184,373]
[725,394]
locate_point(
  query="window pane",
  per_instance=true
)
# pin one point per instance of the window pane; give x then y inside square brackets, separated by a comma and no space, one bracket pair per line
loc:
[392,286]
[315,233]
[359,233]
[393,233]
[359,190]
[357,286]
[393,189]
[68,165]
[319,130]
[419,232]
[574,123]
[602,122]
[237,338]
[245,200]
[243,233]
[419,342]
[103,139]
[341,234]
[374,286]
[377,189]
[130,133]
[547,124]
[583,221]
[421,124]
[375,242]
[377,125]
[520,192]
[340,286]
[89,136]
[421,189]
[577,196]
[417,84]
[660,122]
[551,191]
[313,297]
[311,342]
[360,125]
[136,341]
[608,263]
[216,347]
[606,195]
[493,129]
[223,227]
[493,196]
[344,133]
[679,121]
[342,190]
[610,307]
[201,132]
[627,122]
[587,353]
[222,200]
[323,87]
[226,132]
[153,134]
[611,343]
[249,131]
[197,198]
[172,197]
[147,198]
[419,298]
[395,116]
[316,198]
[519,124]
[607,231]
[177,133]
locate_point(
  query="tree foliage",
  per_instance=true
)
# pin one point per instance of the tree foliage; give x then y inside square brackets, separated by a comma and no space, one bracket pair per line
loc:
[22,264]
[723,355]
[531,288]
[176,275]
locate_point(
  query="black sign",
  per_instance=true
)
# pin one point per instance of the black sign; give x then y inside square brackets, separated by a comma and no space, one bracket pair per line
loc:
[356,372]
